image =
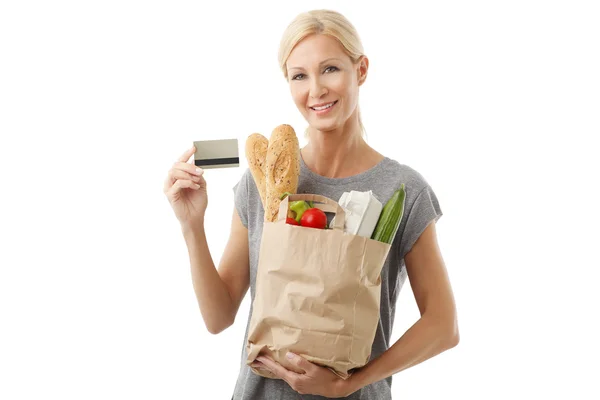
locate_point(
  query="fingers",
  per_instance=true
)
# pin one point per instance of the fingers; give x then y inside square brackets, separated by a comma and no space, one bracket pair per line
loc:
[184,170]
[276,368]
[181,184]
[187,167]
[260,366]
[177,173]
[301,362]
[191,181]
[188,153]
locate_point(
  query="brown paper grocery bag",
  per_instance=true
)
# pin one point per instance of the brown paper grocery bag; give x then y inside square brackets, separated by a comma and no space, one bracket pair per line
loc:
[317,293]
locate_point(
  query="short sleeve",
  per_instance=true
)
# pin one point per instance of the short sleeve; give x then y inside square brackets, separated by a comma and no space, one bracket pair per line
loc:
[240,196]
[424,209]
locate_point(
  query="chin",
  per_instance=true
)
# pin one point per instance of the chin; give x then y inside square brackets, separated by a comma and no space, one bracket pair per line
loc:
[324,126]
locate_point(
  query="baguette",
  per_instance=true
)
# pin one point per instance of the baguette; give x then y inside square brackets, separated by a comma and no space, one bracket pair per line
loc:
[256,154]
[282,168]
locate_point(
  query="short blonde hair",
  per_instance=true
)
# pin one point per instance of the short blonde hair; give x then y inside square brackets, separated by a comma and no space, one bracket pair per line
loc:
[326,22]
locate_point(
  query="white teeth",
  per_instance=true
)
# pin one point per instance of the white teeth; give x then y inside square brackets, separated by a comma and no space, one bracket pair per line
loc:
[323,108]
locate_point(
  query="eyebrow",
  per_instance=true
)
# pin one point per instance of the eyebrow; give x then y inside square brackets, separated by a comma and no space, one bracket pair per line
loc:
[321,63]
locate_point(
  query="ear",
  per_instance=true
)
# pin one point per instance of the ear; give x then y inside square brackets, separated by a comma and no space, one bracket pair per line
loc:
[363,67]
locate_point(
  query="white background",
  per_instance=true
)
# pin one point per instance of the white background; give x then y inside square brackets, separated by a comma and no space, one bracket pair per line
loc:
[496,104]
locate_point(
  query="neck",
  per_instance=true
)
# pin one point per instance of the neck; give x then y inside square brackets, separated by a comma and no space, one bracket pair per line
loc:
[334,154]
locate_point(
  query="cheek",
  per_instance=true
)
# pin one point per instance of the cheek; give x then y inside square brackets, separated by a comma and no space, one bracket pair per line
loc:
[344,87]
[298,95]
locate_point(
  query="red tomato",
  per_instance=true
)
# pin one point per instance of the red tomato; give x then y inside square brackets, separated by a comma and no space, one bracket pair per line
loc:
[314,218]
[291,221]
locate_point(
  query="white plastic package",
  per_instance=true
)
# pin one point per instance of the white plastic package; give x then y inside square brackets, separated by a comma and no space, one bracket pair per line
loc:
[362,212]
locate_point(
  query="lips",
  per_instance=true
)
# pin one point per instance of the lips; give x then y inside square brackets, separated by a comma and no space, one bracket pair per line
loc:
[324,106]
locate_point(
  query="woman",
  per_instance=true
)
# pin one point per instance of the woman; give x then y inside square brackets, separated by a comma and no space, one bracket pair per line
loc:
[322,59]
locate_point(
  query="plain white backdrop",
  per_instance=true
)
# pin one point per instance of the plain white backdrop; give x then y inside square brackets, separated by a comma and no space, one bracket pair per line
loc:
[496,104]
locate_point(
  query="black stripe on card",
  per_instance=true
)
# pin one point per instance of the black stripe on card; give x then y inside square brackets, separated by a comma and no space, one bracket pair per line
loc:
[217,161]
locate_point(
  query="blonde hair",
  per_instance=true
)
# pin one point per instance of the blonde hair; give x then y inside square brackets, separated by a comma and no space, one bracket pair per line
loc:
[326,22]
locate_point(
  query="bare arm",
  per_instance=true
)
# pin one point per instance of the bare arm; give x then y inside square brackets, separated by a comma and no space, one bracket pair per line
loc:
[221,292]
[436,330]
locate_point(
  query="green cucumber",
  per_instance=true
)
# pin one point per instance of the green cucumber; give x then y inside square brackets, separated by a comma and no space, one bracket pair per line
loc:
[391,215]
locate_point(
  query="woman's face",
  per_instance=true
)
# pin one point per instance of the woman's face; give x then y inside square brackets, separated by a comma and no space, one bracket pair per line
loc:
[322,75]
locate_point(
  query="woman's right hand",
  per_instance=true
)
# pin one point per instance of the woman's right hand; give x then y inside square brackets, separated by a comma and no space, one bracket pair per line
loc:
[185,188]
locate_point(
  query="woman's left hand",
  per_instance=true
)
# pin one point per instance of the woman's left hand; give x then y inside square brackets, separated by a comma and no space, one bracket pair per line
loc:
[315,379]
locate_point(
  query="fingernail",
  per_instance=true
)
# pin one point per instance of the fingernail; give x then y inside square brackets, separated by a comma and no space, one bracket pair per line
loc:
[199,170]
[289,355]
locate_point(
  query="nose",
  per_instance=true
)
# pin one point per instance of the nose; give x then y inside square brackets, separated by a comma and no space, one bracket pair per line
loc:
[317,90]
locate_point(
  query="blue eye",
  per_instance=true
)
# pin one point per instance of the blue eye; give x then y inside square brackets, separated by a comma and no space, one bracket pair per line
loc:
[332,67]
[295,77]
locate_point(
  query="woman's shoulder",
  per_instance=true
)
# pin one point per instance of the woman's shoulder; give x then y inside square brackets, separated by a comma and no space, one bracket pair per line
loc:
[395,172]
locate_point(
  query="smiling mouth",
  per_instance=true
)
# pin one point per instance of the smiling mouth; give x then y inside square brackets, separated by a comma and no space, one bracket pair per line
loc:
[325,107]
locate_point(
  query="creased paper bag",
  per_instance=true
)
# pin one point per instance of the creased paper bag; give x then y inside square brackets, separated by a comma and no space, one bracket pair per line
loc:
[317,293]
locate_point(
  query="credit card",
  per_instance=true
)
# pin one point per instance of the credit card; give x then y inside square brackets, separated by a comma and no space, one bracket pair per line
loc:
[221,153]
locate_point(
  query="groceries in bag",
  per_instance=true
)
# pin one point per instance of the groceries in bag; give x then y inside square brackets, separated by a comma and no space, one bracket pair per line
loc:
[362,212]
[275,166]
[390,218]
[304,213]
[366,217]
[317,293]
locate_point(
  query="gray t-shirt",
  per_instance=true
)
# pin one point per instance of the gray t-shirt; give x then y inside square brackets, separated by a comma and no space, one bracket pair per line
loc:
[421,208]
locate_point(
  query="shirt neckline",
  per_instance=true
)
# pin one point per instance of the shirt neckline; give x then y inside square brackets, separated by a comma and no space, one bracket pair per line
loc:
[363,176]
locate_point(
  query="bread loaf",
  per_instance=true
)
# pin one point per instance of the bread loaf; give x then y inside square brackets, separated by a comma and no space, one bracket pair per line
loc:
[282,168]
[256,154]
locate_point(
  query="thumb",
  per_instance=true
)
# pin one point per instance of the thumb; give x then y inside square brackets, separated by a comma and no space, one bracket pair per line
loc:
[300,361]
